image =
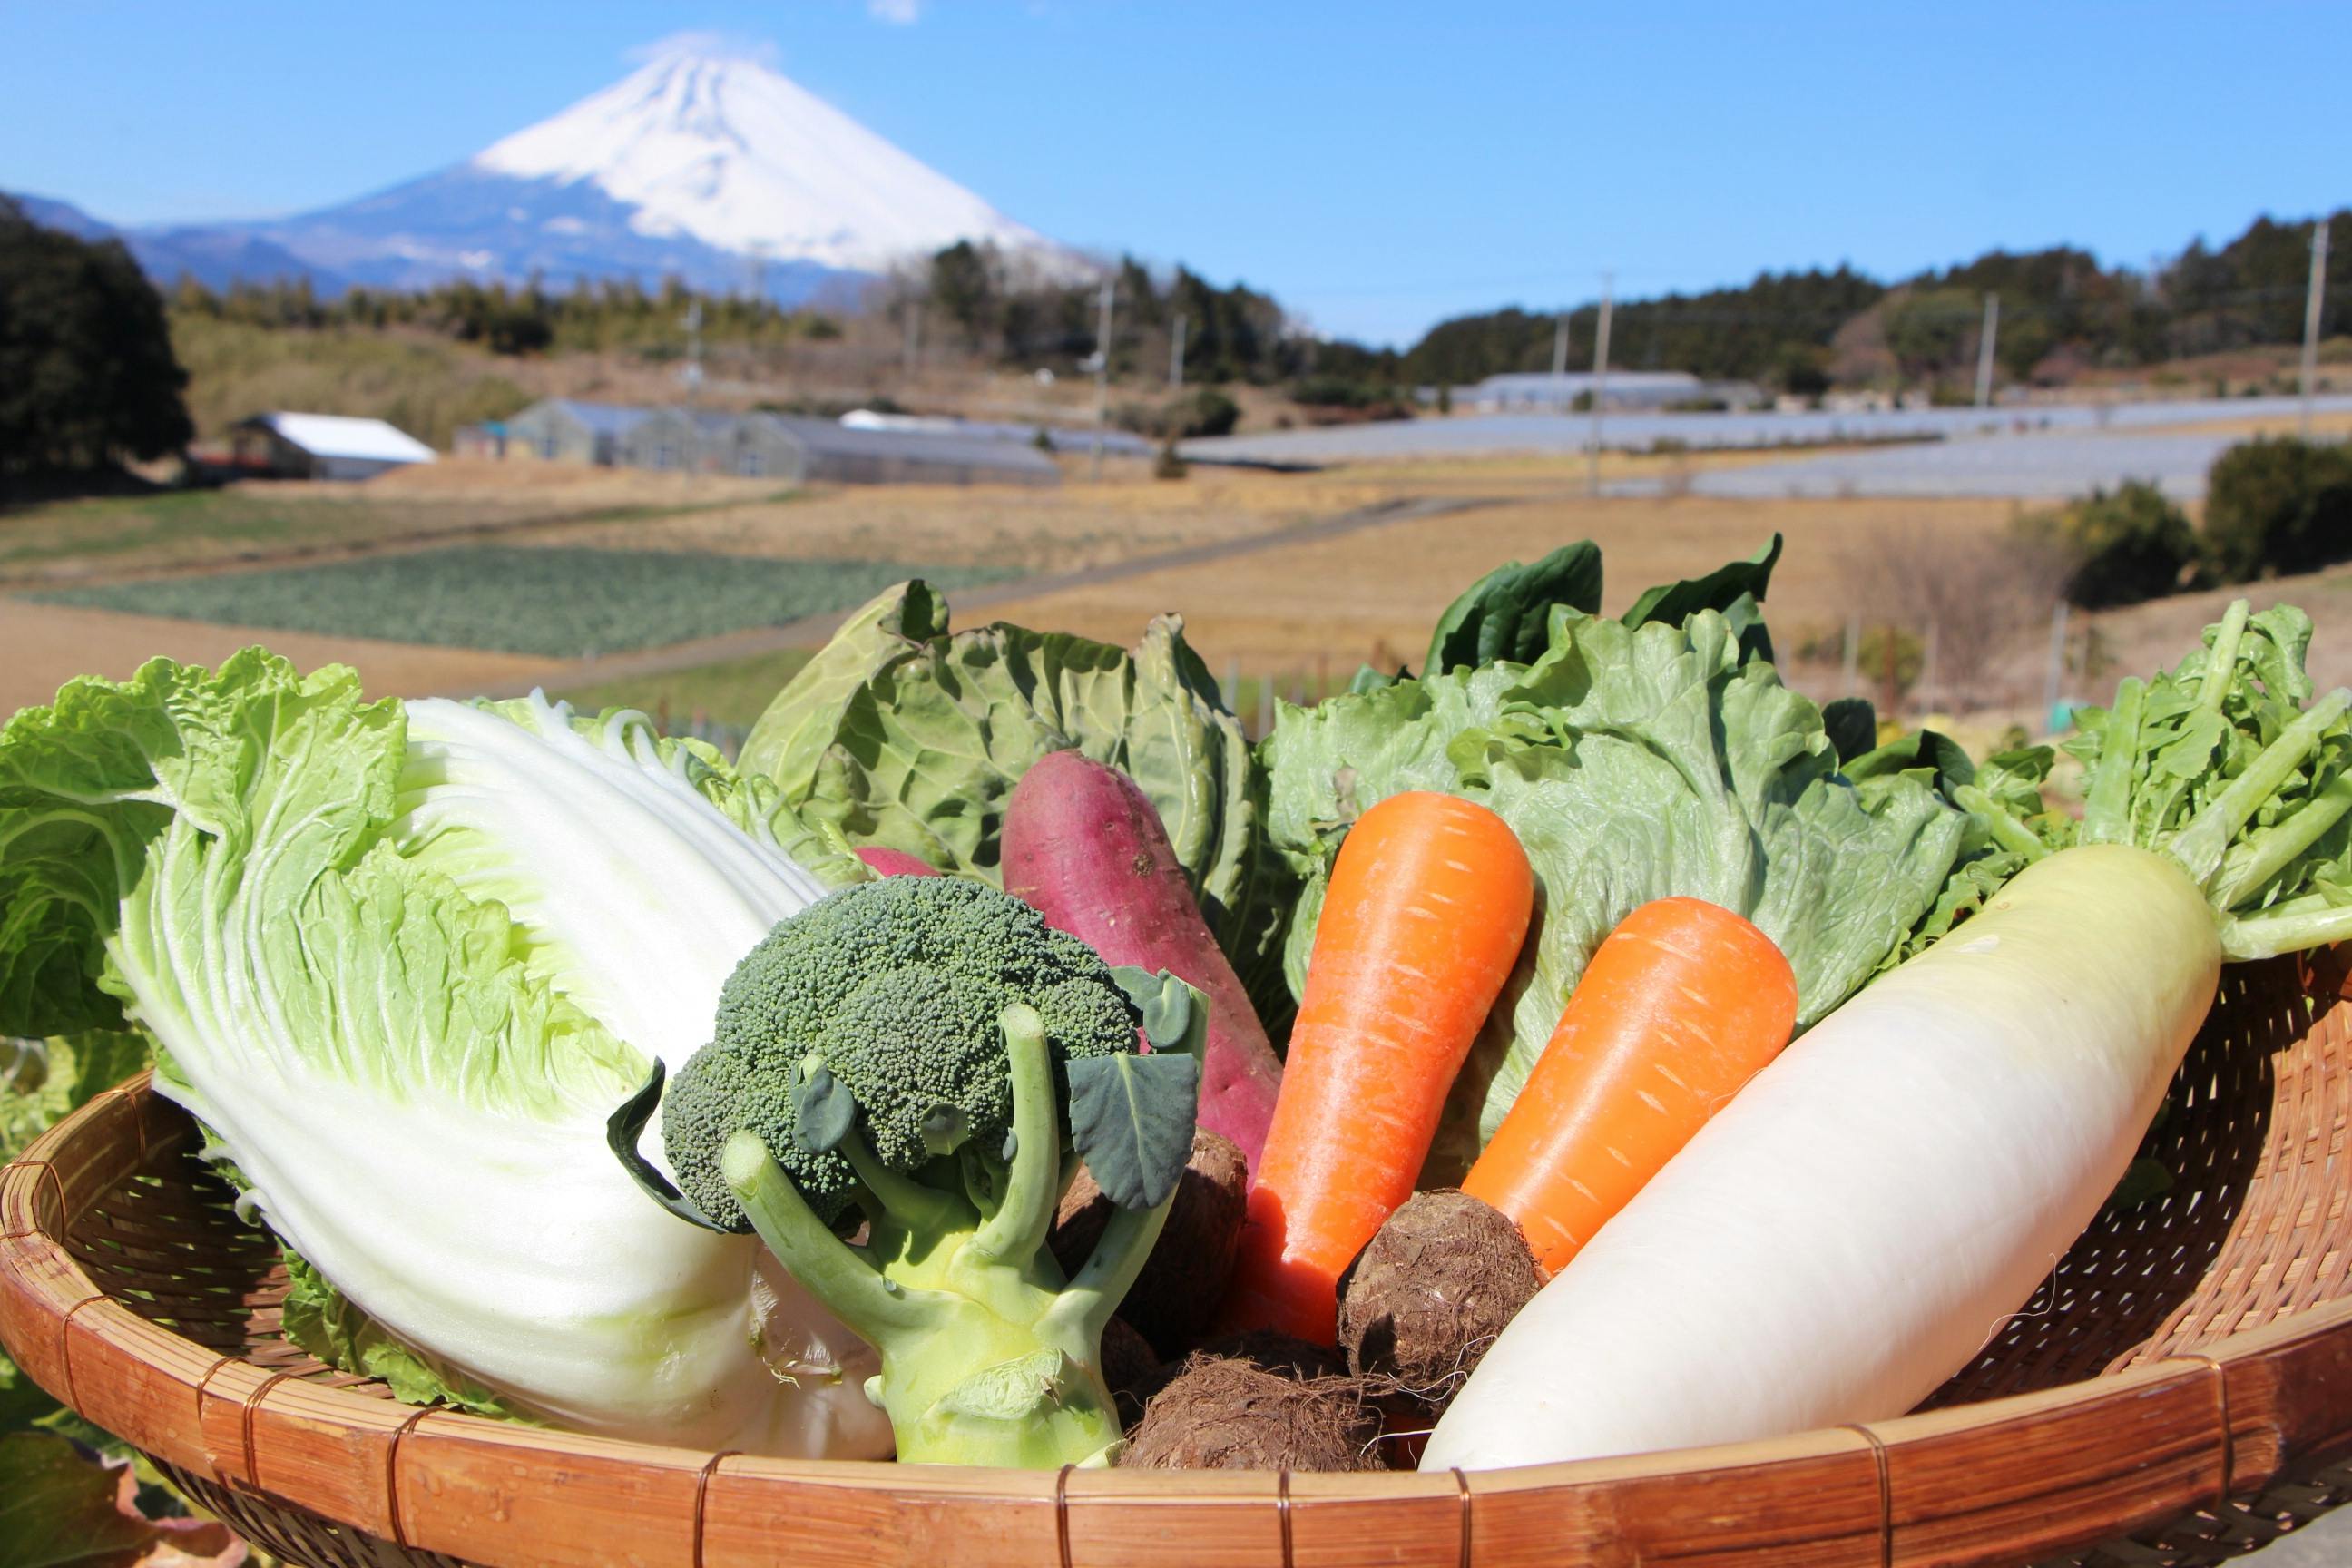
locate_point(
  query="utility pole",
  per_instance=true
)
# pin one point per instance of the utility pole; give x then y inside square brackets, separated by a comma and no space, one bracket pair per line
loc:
[1984,350]
[1600,383]
[1176,353]
[1560,346]
[913,307]
[2311,319]
[2054,682]
[691,375]
[1102,380]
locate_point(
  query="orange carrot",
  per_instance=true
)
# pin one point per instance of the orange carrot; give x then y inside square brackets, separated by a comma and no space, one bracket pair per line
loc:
[1427,907]
[1681,1006]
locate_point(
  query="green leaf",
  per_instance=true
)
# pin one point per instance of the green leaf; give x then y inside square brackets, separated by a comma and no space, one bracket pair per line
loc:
[801,722]
[1733,591]
[1131,1120]
[330,1326]
[823,1107]
[1504,614]
[1175,1016]
[60,1509]
[1853,726]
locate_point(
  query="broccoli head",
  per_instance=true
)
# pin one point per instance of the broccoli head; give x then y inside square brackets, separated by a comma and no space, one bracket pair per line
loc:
[927,1053]
[894,987]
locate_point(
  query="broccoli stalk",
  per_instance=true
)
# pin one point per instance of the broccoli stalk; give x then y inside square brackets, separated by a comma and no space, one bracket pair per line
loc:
[988,1356]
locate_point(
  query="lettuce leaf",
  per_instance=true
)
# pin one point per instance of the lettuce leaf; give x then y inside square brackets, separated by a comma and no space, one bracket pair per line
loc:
[1634,763]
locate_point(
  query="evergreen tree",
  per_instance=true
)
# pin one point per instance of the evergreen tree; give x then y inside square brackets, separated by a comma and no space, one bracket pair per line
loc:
[87,373]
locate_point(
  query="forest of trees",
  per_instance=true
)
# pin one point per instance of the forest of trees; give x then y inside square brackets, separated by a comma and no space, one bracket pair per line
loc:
[2061,313]
[2059,308]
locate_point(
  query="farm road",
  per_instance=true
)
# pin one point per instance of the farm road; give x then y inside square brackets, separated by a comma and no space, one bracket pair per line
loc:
[812,631]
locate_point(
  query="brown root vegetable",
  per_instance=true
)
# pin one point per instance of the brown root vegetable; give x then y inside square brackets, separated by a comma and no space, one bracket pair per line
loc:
[1269,1350]
[1224,1414]
[1429,1293]
[1130,1369]
[1176,1297]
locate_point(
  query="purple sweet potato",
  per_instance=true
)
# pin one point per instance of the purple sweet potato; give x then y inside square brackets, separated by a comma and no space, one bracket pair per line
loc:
[885,862]
[1084,846]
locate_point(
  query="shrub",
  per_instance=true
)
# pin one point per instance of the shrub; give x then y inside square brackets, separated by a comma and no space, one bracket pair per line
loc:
[2277,504]
[1205,411]
[2124,547]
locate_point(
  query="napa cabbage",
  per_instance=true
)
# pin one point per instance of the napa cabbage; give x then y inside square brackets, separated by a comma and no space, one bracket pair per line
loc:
[401,961]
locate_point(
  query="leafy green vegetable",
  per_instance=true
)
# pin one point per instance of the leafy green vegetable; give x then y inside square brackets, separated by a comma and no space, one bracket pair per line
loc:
[400,960]
[902,735]
[1506,614]
[1735,591]
[2220,765]
[1633,762]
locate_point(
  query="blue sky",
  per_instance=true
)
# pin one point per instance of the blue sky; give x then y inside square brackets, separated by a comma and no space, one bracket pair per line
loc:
[1376,166]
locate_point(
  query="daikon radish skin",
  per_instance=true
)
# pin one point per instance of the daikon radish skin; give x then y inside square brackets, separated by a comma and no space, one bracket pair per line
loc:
[1875,1206]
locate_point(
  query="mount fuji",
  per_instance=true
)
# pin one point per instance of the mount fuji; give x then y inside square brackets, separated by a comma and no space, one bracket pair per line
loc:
[712,168]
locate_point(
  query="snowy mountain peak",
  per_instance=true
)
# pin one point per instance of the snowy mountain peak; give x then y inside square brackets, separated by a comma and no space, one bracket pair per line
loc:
[729,152]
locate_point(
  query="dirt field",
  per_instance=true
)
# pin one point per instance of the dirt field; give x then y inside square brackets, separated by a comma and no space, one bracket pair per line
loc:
[42,646]
[1294,612]
[1344,600]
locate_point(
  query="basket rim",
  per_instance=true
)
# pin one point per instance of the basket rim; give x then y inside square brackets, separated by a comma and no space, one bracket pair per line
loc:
[2229,1412]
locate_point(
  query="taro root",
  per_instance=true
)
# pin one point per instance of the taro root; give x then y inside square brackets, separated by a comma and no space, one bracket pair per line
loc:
[1176,1297]
[1428,1294]
[1129,1370]
[1219,1414]
[1269,1350]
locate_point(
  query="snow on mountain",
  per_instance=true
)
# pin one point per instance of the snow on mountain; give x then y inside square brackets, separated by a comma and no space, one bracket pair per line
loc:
[729,152]
[697,166]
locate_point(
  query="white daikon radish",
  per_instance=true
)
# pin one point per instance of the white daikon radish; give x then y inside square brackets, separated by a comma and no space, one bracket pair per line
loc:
[1870,1210]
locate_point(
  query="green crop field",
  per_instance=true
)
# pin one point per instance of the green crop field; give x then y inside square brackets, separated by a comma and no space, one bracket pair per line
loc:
[562,602]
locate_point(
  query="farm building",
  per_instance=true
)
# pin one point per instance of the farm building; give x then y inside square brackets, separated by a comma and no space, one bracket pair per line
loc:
[320,447]
[768,446]
[561,430]
[1534,391]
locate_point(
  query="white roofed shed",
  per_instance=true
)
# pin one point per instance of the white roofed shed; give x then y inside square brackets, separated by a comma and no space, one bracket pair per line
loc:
[323,446]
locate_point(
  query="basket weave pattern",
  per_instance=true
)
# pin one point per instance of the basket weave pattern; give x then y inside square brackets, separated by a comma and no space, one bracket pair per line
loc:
[2177,1394]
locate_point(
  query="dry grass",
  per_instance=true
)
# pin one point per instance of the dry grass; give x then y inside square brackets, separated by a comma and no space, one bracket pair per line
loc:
[1075,525]
[1342,601]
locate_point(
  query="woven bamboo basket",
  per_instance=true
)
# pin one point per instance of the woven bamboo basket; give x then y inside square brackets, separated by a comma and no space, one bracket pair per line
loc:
[2180,1392]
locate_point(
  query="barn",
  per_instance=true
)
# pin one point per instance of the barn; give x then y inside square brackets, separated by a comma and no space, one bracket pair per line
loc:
[322,446]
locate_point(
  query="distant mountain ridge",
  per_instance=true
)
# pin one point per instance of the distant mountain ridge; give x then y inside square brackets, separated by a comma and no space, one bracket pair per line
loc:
[713,169]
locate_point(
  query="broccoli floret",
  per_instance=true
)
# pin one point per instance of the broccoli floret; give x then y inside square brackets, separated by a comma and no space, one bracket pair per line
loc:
[895,986]
[902,1051]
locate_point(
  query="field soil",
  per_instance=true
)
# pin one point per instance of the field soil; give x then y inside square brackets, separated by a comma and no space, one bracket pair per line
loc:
[1292,579]
[42,646]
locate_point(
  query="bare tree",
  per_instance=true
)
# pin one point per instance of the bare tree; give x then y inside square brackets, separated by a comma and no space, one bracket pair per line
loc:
[1967,594]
